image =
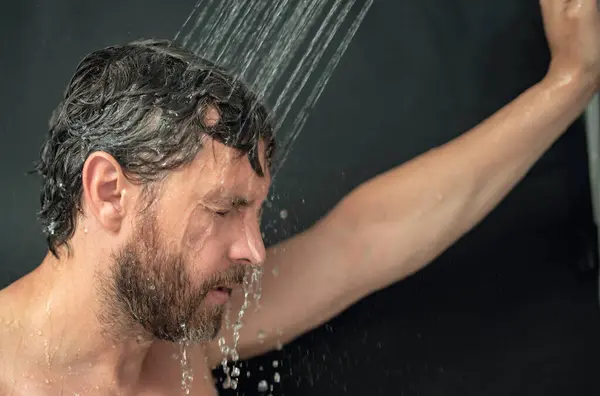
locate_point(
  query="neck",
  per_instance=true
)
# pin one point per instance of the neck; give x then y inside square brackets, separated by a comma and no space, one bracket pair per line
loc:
[54,320]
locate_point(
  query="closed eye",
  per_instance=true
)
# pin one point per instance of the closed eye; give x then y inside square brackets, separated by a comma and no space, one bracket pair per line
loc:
[221,213]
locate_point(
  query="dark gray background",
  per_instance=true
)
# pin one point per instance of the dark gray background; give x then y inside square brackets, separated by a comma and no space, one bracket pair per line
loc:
[507,310]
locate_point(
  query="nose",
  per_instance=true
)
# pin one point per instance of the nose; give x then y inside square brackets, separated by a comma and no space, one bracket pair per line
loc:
[248,246]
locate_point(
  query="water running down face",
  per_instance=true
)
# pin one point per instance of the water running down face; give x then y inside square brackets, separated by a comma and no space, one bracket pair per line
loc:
[174,281]
[145,108]
[154,285]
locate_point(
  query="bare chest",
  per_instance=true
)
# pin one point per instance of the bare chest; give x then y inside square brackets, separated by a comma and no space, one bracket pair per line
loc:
[159,378]
[159,387]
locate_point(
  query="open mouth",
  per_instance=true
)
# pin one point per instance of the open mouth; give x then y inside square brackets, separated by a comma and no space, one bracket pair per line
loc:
[224,289]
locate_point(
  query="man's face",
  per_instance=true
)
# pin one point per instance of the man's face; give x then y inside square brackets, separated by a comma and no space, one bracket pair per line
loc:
[191,246]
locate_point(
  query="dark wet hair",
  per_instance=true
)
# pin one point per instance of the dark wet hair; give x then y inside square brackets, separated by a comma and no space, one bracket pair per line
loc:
[144,103]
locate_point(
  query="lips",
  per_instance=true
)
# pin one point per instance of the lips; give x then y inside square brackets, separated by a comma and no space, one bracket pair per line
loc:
[224,289]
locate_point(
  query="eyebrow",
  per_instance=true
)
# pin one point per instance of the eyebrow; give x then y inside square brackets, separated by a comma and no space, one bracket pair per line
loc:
[236,200]
[240,201]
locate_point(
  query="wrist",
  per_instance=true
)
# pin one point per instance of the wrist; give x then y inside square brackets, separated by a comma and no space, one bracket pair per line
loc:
[576,85]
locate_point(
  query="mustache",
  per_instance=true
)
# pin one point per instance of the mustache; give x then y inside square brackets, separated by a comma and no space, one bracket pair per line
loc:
[234,275]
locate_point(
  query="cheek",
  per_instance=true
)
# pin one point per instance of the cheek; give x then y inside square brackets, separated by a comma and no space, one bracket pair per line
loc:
[205,249]
[201,228]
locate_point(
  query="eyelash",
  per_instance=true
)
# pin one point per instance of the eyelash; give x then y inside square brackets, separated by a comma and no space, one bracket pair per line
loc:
[221,213]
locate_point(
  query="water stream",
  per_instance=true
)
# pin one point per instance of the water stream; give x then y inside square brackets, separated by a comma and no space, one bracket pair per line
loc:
[286,52]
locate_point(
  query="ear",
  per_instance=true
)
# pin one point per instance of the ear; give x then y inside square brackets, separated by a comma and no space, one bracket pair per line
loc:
[104,185]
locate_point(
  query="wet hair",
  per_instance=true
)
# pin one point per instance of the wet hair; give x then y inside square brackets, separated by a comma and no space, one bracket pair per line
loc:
[144,103]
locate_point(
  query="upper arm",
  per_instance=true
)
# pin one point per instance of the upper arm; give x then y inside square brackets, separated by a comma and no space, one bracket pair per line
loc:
[385,230]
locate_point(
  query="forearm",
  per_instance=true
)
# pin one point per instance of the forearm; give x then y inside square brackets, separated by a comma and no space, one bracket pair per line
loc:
[409,215]
[398,222]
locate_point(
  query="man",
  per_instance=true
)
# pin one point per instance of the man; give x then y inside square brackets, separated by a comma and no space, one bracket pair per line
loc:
[154,172]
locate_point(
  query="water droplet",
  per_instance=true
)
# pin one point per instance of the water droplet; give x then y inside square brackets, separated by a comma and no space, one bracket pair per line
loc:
[275,363]
[263,386]
[276,378]
[152,287]
[85,230]
[248,374]
[187,376]
[283,214]
[51,229]
[251,288]
[261,335]
[260,368]
[39,332]
[275,271]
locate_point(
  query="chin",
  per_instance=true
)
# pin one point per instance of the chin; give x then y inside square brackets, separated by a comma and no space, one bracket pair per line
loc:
[201,336]
[206,329]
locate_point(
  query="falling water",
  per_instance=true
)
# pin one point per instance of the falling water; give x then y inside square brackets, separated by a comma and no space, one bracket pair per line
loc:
[252,291]
[285,51]
[186,370]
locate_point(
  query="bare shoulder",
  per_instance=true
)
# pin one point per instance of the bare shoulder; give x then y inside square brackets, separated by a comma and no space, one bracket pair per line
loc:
[168,368]
[8,350]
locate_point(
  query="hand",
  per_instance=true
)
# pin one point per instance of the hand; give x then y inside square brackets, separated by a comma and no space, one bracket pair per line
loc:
[573,32]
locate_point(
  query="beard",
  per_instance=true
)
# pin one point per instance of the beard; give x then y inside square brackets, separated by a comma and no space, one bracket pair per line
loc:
[149,293]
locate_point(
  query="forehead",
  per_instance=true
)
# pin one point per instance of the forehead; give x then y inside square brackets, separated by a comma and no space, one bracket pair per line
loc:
[219,170]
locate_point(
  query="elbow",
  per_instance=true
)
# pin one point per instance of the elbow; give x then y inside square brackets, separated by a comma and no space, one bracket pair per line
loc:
[373,251]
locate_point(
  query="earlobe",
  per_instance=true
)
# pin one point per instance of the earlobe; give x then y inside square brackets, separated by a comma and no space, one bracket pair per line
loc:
[103,185]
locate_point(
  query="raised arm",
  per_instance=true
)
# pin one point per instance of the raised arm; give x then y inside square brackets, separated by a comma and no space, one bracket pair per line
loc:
[398,222]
